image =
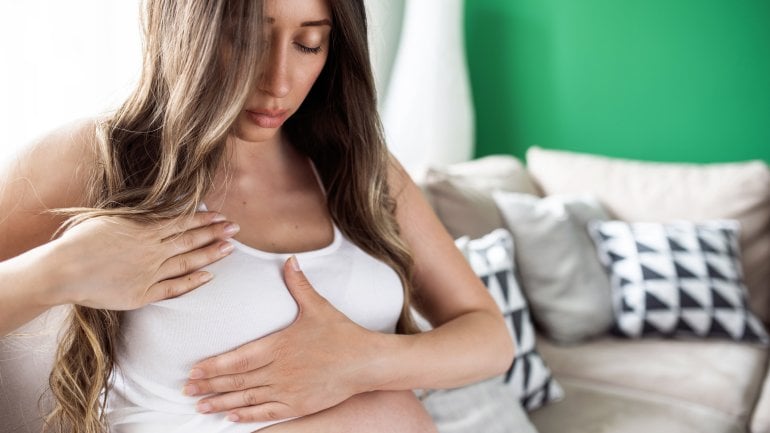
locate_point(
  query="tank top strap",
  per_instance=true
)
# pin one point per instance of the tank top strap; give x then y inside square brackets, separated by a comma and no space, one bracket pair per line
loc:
[317,176]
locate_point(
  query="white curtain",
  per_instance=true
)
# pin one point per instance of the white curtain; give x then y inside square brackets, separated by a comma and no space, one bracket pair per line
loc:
[63,60]
[428,112]
[385,18]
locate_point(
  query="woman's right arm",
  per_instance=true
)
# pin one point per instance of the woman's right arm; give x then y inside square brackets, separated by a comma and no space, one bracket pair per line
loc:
[105,262]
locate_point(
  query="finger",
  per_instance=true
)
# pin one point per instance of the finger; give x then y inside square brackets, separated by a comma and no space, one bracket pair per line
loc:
[198,237]
[299,286]
[227,383]
[177,286]
[173,226]
[235,400]
[183,264]
[272,411]
[248,357]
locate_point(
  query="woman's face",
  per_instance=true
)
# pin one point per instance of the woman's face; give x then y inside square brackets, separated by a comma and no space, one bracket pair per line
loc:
[297,45]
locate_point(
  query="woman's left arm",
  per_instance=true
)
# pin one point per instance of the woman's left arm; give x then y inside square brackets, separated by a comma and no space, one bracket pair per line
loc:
[323,358]
[469,341]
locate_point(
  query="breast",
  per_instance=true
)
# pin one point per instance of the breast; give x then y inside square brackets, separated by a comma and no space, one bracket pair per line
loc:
[246,300]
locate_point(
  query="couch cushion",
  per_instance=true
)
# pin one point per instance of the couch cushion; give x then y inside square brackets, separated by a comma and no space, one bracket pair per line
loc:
[723,375]
[591,407]
[660,192]
[26,357]
[677,279]
[566,286]
[760,420]
[460,194]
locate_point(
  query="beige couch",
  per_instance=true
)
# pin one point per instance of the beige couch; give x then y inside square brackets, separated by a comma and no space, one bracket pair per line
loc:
[618,385]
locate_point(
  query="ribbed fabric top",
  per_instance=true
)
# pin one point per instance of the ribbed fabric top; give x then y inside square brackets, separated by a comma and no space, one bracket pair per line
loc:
[246,300]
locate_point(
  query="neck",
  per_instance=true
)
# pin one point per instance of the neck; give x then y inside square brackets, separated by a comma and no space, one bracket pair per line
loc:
[271,165]
[245,157]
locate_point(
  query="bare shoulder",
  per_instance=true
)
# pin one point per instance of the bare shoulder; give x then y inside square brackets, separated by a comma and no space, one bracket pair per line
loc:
[55,160]
[446,285]
[51,172]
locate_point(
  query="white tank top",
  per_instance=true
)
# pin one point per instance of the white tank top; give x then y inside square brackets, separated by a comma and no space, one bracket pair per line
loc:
[246,300]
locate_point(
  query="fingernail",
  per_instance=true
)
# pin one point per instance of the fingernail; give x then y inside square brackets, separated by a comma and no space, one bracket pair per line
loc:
[203,407]
[219,218]
[232,229]
[196,373]
[294,263]
[190,390]
[233,417]
[205,276]
[226,247]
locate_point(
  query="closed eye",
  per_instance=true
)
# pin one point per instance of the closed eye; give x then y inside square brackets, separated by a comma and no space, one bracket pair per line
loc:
[308,50]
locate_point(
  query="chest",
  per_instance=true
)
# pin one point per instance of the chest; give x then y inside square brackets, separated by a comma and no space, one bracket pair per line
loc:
[246,300]
[279,222]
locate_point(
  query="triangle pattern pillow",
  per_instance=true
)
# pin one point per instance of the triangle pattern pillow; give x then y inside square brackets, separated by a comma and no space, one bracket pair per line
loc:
[677,279]
[528,377]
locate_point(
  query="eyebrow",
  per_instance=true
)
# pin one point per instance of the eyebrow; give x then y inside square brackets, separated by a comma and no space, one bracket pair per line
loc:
[323,22]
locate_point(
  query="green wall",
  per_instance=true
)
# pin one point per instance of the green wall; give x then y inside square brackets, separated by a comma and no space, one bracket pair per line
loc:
[666,80]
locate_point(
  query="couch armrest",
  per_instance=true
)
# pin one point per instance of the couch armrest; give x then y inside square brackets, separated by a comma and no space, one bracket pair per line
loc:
[26,356]
[760,419]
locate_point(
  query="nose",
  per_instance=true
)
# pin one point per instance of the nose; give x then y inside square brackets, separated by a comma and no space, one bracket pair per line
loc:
[274,76]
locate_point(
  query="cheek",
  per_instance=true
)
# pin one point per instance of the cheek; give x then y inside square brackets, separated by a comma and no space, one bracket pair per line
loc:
[310,74]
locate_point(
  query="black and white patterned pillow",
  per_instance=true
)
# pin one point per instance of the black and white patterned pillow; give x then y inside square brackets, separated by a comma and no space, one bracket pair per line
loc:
[677,279]
[529,379]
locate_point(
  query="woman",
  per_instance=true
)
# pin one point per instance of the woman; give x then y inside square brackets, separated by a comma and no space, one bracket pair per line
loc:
[267,113]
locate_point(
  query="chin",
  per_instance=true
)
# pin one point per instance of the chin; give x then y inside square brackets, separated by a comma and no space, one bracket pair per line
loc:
[247,131]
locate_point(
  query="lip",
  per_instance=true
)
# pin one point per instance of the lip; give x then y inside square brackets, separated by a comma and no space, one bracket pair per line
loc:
[267,118]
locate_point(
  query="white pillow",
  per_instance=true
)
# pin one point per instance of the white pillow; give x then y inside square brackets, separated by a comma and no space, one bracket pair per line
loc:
[566,286]
[482,407]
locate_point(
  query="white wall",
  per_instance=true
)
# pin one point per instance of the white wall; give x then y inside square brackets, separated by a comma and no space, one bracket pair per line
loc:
[63,60]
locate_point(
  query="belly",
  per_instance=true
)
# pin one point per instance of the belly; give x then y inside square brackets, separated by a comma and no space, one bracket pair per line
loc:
[372,412]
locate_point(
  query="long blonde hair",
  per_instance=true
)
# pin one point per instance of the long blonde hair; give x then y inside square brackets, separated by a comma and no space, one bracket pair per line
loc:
[157,156]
